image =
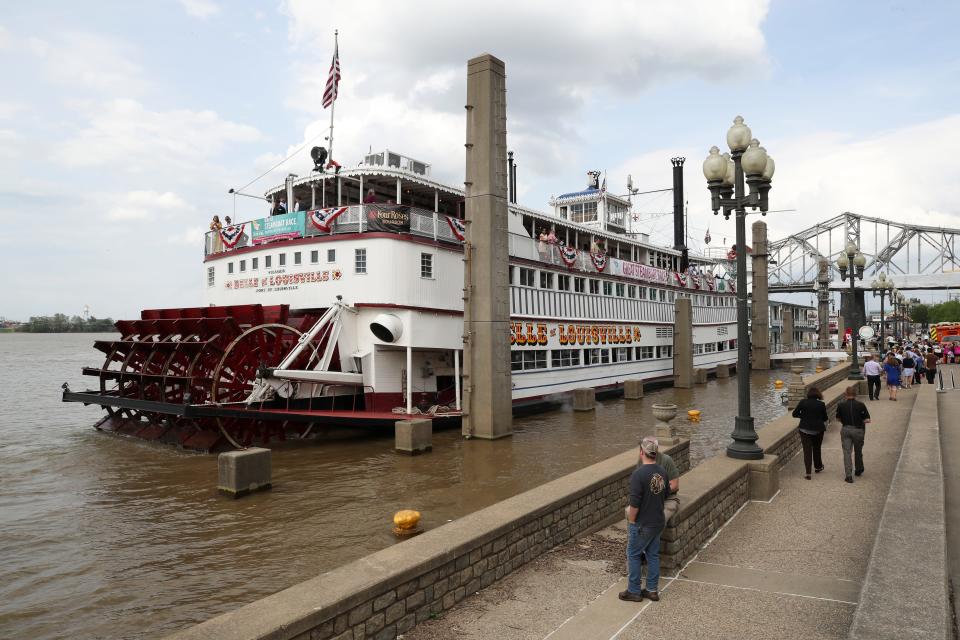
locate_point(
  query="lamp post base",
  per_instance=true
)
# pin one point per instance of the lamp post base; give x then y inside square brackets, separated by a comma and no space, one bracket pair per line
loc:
[854,373]
[744,445]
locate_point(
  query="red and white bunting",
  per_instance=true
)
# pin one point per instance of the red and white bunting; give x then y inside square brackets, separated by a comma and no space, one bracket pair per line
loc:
[458,228]
[568,254]
[599,261]
[323,219]
[681,278]
[231,235]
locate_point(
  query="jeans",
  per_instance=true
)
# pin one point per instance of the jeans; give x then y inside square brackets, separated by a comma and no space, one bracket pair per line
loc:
[852,438]
[873,387]
[643,540]
[811,449]
[931,375]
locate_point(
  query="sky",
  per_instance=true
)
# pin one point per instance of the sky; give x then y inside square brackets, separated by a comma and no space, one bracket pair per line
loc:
[123,125]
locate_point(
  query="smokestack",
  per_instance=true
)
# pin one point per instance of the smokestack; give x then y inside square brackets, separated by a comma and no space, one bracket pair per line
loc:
[511,178]
[679,228]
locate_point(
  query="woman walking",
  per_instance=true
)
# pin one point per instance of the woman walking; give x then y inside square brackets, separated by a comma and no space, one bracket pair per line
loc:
[813,422]
[909,367]
[891,369]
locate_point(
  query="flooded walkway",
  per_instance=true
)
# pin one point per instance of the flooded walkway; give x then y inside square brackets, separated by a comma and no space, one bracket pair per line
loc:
[106,537]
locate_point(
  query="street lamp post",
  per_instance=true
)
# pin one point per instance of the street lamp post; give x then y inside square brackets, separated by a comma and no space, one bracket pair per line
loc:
[883,285]
[852,261]
[748,162]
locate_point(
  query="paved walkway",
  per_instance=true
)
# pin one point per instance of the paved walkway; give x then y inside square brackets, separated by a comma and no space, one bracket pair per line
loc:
[792,567]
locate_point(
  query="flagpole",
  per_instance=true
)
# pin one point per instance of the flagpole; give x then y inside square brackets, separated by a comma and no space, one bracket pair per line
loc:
[333,105]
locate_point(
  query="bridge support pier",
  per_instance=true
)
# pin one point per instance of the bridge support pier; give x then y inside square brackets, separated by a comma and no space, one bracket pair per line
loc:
[854,305]
[786,337]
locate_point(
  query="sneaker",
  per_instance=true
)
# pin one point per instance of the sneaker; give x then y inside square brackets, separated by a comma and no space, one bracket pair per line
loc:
[818,470]
[858,473]
[807,476]
[631,596]
[652,595]
[849,479]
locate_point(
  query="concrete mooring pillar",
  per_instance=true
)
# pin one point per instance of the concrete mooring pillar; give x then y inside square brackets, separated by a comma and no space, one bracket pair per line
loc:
[760,309]
[823,302]
[683,344]
[487,410]
[786,337]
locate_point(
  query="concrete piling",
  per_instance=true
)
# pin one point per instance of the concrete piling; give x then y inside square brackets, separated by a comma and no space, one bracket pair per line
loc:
[786,337]
[683,344]
[700,376]
[633,389]
[413,436]
[760,310]
[244,471]
[584,399]
[723,371]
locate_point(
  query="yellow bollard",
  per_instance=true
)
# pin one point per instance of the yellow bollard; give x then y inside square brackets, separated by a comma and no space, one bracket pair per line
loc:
[778,384]
[819,370]
[406,522]
[693,415]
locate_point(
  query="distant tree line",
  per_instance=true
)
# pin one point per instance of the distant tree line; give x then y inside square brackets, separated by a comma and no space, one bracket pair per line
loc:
[61,323]
[932,313]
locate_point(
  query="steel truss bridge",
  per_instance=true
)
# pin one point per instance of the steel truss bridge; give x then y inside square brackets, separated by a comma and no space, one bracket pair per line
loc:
[914,256]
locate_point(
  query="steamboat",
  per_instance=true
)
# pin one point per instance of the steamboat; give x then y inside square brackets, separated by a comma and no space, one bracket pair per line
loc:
[344,306]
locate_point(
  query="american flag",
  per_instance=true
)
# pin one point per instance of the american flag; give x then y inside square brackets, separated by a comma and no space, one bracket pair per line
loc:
[330,92]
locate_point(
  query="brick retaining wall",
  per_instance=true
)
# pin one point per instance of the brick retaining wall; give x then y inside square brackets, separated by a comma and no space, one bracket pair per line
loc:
[388,592]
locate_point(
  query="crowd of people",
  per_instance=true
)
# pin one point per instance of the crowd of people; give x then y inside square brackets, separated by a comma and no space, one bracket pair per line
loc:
[653,486]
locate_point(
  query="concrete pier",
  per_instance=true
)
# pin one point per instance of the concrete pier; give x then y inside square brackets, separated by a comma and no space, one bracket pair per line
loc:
[683,344]
[760,309]
[413,436]
[723,371]
[633,389]
[487,404]
[786,334]
[243,472]
[700,376]
[584,399]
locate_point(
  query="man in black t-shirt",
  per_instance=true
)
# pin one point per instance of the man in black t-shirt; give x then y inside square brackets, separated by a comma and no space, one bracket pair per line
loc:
[853,417]
[649,488]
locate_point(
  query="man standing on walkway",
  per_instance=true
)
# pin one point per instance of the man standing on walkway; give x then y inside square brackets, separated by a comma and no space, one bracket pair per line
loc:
[872,370]
[649,488]
[853,415]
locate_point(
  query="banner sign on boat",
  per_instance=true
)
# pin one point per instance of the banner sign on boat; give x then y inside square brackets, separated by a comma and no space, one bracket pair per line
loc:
[282,227]
[542,334]
[640,271]
[390,218]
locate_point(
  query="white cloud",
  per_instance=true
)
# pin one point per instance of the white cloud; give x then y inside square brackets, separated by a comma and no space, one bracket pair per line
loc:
[200,8]
[91,61]
[125,134]
[898,175]
[8,141]
[407,92]
[147,205]
[9,110]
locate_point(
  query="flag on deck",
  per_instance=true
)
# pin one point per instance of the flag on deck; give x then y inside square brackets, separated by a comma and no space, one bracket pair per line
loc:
[333,80]
[458,228]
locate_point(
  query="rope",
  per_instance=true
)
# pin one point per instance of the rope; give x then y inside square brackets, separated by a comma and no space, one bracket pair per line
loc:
[298,150]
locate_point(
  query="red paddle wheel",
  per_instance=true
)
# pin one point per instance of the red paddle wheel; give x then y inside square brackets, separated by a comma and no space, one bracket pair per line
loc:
[174,360]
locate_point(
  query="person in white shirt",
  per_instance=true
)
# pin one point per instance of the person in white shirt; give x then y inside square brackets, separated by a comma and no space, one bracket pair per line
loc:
[872,371]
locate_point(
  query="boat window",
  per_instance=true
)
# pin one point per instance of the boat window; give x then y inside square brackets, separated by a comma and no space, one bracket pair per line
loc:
[297,257]
[584,212]
[254,262]
[621,289]
[607,288]
[527,277]
[393,160]
[314,257]
[653,294]
[266,261]
[642,293]
[281,260]
[622,354]
[331,255]
[671,296]
[243,266]
[596,356]
[663,295]
[697,349]
[524,360]
[546,280]
[631,291]
[359,260]
[229,267]
[565,358]
[594,286]
[579,285]
[563,283]
[563,213]
[210,276]
[426,265]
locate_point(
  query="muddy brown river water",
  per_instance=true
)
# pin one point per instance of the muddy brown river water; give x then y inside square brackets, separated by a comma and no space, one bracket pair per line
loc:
[103,537]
